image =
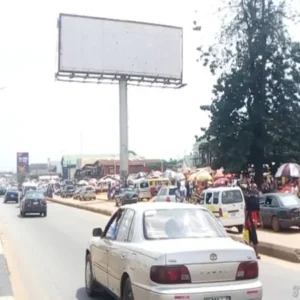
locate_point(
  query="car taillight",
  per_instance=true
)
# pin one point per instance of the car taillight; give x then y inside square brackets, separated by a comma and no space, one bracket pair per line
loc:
[168,199]
[247,270]
[170,274]
[220,212]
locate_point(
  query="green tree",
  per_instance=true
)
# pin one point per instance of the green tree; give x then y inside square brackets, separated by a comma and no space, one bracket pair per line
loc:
[257,94]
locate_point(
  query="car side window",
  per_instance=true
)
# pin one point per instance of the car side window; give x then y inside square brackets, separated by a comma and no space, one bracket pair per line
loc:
[268,200]
[123,232]
[208,198]
[216,197]
[131,230]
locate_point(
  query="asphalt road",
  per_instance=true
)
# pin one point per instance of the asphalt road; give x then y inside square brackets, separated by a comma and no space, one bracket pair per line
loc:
[46,256]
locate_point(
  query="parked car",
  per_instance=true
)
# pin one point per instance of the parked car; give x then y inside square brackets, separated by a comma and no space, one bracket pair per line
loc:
[169,250]
[12,194]
[68,191]
[2,190]
[77,193]
[280,210]
[33,202]
[166,194]
[126,196]
[87,193]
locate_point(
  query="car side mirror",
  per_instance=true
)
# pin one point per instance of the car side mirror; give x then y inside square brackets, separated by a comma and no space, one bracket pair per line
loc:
[97,232]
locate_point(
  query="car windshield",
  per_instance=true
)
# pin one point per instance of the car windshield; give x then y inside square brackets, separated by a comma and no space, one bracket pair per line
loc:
[233,196]
[12,190]
[34,195]
[289,200]
[181,224]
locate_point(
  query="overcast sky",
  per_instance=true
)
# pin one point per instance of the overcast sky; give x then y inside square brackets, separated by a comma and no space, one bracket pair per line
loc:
[45,118]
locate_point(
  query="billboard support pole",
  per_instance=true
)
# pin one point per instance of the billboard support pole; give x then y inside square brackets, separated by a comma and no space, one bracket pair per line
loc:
[123,115]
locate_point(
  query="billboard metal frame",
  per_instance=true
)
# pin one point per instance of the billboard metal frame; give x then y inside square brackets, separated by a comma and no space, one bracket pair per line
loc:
[123,80]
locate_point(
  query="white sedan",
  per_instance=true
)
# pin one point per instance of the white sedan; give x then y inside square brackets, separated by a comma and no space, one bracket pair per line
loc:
[164,251]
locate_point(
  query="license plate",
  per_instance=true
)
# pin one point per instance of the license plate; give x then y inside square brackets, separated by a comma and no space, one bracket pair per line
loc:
[218,298]
[35,203]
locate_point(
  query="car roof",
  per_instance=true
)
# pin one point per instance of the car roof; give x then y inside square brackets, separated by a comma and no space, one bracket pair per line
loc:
[143,206]
[223,188]
[169,187]
[277,194]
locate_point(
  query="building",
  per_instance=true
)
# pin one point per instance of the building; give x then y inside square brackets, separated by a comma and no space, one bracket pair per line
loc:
[97,166]
[202,155]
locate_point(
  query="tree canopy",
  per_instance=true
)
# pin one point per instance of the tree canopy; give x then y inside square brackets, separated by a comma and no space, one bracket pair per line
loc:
[256,98]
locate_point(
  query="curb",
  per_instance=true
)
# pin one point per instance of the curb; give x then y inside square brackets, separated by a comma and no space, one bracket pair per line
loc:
[6,291]
[88,208]
[277,251]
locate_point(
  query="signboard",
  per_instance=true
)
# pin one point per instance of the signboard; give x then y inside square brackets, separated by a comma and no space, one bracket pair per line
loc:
[92,45]
[22,162]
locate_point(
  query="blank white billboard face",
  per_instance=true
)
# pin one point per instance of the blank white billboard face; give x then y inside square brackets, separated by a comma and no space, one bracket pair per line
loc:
[103,46]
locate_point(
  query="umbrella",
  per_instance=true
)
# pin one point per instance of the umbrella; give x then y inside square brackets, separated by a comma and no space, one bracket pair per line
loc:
[288,170]
[221,182]
[200,176]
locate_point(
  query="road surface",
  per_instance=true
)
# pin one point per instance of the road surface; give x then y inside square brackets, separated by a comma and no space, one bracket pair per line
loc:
[46,255]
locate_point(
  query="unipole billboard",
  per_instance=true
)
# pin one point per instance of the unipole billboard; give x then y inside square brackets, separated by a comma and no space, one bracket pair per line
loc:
[100,50]
[22,162]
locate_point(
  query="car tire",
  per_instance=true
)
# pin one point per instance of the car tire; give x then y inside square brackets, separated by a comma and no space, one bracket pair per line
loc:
[240,228]
[45,214]
[127,290]
[90,283]
[275,224]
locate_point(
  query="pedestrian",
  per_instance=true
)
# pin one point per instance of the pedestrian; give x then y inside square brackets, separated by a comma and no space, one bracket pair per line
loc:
[252,215]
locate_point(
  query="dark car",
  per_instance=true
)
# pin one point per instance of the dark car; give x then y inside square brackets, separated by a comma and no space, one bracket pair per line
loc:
[68,191]
[12,194]
[33,202]
[126,196]
[280,210]
[2,190]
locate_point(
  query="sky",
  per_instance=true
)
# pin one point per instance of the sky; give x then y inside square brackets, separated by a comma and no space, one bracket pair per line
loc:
[48,118]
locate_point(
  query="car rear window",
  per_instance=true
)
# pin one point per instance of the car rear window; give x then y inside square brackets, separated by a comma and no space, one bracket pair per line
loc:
[34,195]
[181,223]
[232,196]
[172,191]
[289,200]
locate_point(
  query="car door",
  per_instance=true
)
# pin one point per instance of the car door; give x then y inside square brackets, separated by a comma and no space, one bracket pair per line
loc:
[266,210]
[100,250]
[119,254]
[159,196]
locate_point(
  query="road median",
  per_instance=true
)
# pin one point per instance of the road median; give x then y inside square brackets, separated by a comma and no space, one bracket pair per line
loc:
[281,249]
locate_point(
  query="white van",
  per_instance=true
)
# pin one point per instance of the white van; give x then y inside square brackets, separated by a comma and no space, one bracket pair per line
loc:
[227,204]
[142,188]
[26,186]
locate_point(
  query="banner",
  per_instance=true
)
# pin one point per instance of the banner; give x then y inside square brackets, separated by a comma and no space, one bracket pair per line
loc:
[22,162]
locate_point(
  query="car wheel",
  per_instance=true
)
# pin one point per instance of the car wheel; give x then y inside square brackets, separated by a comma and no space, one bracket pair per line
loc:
[240,228]
[90,282]
[127,290]
[275,224]
[45,214]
